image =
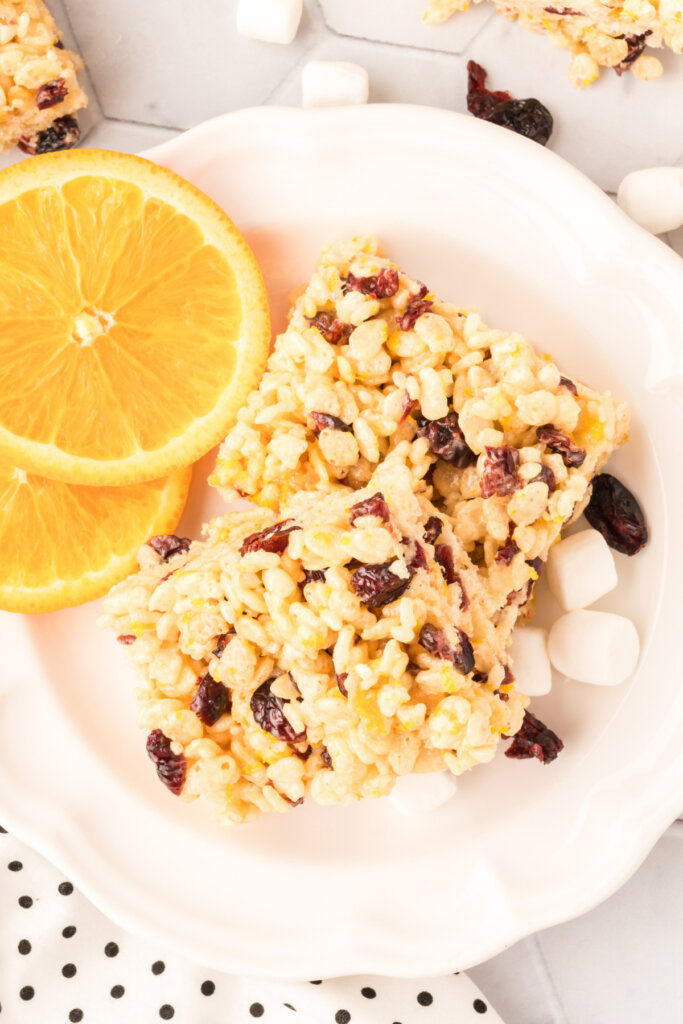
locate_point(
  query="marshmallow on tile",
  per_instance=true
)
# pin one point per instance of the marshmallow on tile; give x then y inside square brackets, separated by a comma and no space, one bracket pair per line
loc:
[594,647]
[329,83]
[413,795]
[580,569]
[530,662]
[653,198]
[271,21]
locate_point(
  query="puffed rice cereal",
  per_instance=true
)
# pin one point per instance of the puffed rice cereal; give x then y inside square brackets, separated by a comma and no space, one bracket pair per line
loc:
[413,468]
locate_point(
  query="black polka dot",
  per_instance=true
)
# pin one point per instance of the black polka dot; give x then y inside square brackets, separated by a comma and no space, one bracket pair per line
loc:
[208,988]
[117,991]
[27,992]
[24,947]
[342,1017]
[425,998]
[480,1006]
[3,830]
[166,1012]
[15,865]
[65,889]
[111,949]
[289,1006]
[256,1010]
[315,983]
[75,1016]
[369,993]
[68,970]
[158,967]
[69,931]
[25,902]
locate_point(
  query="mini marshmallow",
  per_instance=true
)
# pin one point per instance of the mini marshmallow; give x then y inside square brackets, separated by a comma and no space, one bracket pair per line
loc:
[653,198]
[271,21]
[580,569]
[413,795]
[594,647]
[530,662]
[328,83]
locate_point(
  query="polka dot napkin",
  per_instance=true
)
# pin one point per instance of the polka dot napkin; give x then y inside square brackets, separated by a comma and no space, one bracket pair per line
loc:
[63,962]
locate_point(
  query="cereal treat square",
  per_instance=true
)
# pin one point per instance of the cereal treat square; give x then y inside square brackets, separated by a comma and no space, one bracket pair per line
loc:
[373,368]
[39,90]
[320,653]
[597,34]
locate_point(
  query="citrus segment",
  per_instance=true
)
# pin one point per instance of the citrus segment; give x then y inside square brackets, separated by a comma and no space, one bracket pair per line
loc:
[62,544]
[133,319]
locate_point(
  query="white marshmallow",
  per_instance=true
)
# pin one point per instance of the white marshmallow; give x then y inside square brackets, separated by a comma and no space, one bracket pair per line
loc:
[594,647]
[580,569]
[653,198]
[271,21]
[413,795]
[530,662]
[329,83]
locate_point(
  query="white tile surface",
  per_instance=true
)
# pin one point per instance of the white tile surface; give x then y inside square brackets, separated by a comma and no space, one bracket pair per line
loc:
[157,66]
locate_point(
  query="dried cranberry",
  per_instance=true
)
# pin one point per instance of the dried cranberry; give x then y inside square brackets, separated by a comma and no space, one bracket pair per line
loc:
[341,678]
[415,555]
[436,642]
[505,554]
[325,757]
[508,678]
[222,642]
[500,471]
[314,576]
[379,286]
[480,100]
[446,440]
[332,329]
[268,712]
[375,505]
[565,382]
[535,739]
[616,514]
[211,700]
[547,477]
[127,638]
[377,585]
[408,407]
[443,553]
[415,308]
[537,564]
[636,45]
[528,117]
[562,444]
[274,539]
[52,93]
[326,421]
[564,11]
[167,544]
[171,768]
[432,529]
[303,755]
[63,133]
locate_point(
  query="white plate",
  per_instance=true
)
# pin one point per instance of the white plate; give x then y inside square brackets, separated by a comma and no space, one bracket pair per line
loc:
[487,219]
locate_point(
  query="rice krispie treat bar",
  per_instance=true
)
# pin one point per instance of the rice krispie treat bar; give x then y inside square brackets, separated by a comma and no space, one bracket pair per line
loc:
[319,653]
[39,90]
[374,368]
[612,34]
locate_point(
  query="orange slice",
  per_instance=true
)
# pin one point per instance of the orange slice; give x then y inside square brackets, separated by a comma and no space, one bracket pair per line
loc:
[62,544]
[133,318]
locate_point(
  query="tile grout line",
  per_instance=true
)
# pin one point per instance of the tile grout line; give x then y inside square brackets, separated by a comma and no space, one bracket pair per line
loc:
[402,46]
[551,989]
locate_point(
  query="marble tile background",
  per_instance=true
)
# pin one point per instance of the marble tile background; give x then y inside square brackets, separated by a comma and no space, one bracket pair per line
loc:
[156,67]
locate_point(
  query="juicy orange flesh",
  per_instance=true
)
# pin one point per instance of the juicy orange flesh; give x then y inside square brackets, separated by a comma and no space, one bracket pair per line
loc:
[106,297]
[53,531]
